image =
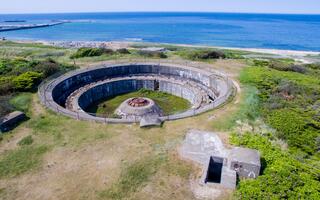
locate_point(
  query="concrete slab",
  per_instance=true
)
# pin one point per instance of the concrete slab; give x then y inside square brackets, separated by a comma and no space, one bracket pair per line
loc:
[228,178]
[150,120]
[199,146]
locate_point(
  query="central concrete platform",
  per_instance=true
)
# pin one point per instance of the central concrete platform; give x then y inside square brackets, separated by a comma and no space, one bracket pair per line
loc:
[138,107]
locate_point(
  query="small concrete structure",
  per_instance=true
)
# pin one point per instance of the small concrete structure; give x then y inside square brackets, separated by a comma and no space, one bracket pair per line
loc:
[136,108]
[150,120]
[220,165]
[11,120]
[246,162]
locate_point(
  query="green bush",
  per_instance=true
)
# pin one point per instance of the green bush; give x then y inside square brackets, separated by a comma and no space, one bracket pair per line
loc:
[6,85]
[27,81]
[90,52]
[283,176]
[21,101]
[14,66]
[5,107]
[205,55]
[123,51]
[152,54]
[47,67]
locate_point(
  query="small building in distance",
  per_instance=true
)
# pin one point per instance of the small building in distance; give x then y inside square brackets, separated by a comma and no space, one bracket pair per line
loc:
[11,120]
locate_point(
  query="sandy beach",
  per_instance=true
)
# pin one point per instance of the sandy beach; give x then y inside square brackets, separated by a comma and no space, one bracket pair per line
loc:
[299,56]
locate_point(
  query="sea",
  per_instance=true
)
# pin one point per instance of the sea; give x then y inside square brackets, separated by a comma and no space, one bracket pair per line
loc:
[270,31]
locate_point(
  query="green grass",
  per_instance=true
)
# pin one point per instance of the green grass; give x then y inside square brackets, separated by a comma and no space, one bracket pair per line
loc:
[58,130]
[22,101]
[169,104]
[248,110]
[19,161]
[28,140]
[133,178]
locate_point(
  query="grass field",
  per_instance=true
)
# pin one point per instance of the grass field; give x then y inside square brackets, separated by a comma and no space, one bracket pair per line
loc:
[276,111]
[54,157]
[169,104]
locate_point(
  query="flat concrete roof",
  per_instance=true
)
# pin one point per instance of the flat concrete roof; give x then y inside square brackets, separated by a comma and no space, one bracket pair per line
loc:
[245,155]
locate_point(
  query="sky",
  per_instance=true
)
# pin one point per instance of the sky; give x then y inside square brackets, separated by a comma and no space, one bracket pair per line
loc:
[246,6]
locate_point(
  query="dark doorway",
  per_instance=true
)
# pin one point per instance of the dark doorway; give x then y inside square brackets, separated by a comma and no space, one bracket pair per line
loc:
[214,170]
[156,85]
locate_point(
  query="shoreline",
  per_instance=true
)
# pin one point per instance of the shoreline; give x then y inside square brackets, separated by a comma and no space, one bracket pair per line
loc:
[296,54]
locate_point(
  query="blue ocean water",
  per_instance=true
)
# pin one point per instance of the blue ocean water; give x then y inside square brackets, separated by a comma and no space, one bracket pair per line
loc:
[275,31]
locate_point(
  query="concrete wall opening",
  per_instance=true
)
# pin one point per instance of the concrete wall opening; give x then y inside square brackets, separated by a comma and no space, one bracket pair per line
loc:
[214,170]
[156,85]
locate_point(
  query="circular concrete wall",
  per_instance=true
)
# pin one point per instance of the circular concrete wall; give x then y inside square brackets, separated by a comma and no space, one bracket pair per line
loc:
[72,93]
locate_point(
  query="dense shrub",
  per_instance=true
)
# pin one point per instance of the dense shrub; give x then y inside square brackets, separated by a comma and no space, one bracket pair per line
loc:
[27,81]
[206,54]
[5,107]
[284,66]
[294,128]
[14,66]
[47,67]
[123,51]
[12,71]
[21,102]
[6,85]
[287,104]
[152,54]
[90,52]
[87,52]
[283,176]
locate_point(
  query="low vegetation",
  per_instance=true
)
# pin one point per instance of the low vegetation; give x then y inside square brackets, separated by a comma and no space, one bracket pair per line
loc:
[288,101]
[21,102]
[152,54]
[133,177]
[93,52]
[21,75]
[90,52]
[28,140]
[21,160]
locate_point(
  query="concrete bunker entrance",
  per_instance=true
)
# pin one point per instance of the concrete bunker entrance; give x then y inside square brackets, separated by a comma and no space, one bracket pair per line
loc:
[214,170]
[156,85]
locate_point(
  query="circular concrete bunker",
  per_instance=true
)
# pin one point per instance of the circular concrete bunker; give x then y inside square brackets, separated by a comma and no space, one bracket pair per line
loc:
[73,92]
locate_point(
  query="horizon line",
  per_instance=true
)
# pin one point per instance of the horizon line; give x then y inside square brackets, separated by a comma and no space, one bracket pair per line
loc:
[227,12]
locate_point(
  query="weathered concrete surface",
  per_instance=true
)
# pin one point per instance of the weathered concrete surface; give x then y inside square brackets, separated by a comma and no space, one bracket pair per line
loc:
[246,162]
[199,146]
[205,148]
[11,120]
[214,89]
[228,178]
[150,120]
[127,112]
